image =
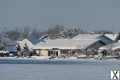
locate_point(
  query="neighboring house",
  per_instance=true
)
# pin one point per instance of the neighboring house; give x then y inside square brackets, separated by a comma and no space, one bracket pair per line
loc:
[111,49]
[97,40]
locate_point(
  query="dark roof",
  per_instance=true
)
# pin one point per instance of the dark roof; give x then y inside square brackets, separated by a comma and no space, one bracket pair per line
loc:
[105,39]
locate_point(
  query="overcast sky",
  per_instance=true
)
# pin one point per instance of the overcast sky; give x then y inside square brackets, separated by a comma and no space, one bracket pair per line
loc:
[89,14]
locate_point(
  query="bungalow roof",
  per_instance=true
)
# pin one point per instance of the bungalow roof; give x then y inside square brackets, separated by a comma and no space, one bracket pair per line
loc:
[64,44]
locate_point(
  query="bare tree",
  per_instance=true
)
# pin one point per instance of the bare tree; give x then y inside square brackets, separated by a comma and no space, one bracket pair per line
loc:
[13,34]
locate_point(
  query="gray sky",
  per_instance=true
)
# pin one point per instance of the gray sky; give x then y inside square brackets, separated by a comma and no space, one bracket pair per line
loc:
[90,14]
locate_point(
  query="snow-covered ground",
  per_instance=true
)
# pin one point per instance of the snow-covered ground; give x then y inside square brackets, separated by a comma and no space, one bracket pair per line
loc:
[58,59]
[87,70]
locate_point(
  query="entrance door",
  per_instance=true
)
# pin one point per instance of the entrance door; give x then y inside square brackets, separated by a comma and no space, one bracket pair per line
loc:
[53,53]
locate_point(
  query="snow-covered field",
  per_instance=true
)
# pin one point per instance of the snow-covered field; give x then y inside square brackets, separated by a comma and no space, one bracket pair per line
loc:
[87,70]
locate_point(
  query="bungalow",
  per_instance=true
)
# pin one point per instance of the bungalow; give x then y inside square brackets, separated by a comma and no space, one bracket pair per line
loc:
[57,47]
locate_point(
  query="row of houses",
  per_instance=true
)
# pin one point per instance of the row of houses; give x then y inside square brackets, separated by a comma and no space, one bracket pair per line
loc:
[82,44]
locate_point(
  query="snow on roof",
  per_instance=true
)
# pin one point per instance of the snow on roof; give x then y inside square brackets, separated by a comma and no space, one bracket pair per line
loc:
[57,43]
[81,41]
[64,44]
[95,36]
[85,43]
[87,36]
[112,36]
[112,46]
